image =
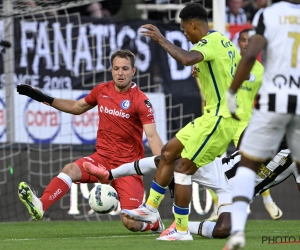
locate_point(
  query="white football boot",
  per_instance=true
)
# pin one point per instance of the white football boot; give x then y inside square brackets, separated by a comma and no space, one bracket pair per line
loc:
[174,235]
[142,213]
[236,241]
[32,203]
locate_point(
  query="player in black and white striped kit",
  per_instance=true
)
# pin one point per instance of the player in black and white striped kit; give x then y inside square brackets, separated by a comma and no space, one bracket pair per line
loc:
[277,113]
[218,176]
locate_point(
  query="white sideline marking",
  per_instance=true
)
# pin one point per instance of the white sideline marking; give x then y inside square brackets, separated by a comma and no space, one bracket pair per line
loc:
[100,237]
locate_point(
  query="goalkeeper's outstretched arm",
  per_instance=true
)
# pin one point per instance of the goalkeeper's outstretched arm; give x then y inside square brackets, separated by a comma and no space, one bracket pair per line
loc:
[68,106]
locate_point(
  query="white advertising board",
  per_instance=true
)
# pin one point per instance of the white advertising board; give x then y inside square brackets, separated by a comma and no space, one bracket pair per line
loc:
[36,122]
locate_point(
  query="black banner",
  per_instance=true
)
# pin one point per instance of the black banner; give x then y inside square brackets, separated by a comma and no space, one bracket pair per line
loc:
[73,52]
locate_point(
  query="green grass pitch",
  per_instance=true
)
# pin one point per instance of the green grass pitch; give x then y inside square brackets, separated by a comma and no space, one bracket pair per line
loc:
[56,235]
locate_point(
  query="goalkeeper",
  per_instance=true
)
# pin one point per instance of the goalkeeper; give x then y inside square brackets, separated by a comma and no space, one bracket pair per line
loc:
[124,112]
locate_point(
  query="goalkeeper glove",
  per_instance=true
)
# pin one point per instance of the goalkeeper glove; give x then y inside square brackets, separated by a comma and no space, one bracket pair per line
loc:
[32,92]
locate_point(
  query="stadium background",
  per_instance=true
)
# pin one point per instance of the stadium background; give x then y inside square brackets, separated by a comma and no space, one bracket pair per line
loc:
[67,53]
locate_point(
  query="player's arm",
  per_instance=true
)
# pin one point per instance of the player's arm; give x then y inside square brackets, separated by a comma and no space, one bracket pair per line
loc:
[69,106]
[255,46]
[257,43]
[154,139]
[195,74]
[187,58]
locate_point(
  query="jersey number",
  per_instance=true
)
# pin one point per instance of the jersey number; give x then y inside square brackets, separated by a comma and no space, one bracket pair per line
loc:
[233,64]
[296,44]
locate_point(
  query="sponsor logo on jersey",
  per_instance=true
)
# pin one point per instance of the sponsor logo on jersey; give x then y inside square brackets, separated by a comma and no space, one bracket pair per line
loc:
[114,112]
[264,172]
[148,103]
[125,104]
[246,88]
[281,81]
[226,44]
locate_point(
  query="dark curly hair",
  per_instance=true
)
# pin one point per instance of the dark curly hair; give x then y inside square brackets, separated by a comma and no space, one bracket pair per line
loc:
[243,31]
[193,10]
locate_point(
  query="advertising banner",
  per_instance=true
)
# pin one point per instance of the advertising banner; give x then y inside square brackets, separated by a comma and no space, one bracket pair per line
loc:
[36,122]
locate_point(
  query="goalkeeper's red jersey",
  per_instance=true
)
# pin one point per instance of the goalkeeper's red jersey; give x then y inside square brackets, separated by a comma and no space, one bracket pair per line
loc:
[121,120]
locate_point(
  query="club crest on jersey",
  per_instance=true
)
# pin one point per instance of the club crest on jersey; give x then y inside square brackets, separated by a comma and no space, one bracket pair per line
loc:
[125,104]
[148,103]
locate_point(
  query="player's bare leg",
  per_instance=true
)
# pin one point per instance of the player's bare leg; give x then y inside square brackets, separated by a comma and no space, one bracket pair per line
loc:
[170,153]
[219,229]
[183,193]
[223,226]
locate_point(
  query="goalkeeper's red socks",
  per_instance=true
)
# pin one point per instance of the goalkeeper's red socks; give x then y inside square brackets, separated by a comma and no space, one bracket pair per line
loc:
[56,189]
[155,226]
[149,226]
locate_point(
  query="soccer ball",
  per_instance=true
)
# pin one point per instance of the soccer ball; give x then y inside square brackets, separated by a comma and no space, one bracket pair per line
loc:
[103,199]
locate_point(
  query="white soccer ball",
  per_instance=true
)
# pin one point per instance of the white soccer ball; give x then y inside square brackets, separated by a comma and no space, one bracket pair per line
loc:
[103,199]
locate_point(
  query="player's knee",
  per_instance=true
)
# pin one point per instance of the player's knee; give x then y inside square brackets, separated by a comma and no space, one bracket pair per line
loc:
[165,153]
[73,171]
[221,231]
[156,160]
[186,167]
[169,154]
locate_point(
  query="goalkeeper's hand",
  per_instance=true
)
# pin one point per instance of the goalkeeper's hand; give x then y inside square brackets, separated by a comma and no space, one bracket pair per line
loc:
[231,103]
[32,92]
